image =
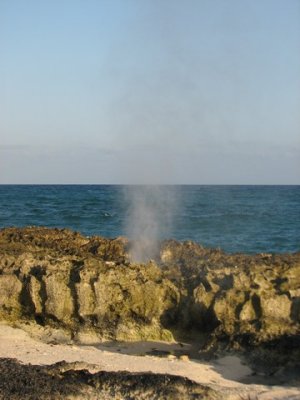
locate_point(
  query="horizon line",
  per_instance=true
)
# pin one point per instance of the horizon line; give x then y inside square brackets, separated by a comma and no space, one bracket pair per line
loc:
[149,184]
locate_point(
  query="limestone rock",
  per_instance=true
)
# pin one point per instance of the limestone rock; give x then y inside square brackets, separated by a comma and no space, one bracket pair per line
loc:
[247,312]
[88,286]
[81,287]
[10,291]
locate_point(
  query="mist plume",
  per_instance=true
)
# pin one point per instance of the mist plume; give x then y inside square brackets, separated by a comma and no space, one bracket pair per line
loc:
[150,216]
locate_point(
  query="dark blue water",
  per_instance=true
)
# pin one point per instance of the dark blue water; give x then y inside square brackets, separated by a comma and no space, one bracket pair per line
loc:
[250,219]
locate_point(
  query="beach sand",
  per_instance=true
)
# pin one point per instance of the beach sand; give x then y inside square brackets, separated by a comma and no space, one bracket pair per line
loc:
[225,374]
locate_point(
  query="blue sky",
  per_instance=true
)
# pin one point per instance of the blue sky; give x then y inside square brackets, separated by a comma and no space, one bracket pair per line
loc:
[150,91]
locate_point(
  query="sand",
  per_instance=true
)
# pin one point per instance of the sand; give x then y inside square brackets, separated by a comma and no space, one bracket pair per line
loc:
[225,374]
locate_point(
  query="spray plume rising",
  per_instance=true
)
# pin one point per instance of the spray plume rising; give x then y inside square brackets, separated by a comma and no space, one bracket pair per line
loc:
[150,216]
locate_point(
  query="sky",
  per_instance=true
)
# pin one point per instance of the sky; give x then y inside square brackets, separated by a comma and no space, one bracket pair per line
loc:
[150,91]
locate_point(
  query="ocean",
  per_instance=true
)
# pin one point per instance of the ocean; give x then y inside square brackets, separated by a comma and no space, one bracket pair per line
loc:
[247,219]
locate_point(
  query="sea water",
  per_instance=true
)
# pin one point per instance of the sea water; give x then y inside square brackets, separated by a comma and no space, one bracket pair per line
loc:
[248,219]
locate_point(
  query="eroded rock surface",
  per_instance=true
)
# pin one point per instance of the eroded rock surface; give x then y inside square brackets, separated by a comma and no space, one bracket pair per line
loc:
[60,278]
[252,296]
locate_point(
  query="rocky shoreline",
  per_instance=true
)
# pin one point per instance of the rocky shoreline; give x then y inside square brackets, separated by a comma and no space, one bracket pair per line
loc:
[87,290]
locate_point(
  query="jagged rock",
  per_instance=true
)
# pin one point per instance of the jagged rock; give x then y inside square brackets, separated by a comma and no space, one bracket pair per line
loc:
[60,278]
[247,313]
[253,298]
[10,293]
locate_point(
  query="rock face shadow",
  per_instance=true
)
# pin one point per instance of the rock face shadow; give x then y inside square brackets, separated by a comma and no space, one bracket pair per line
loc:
[151,348]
